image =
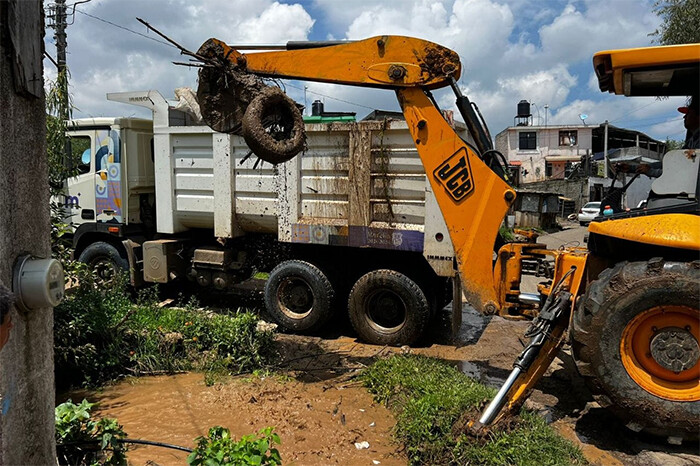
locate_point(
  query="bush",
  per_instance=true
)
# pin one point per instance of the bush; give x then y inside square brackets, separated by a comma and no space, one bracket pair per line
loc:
[220,448]
[429,397]
[81,440]
[100,335]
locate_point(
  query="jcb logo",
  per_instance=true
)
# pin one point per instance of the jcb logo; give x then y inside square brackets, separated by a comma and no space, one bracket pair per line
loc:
[455,175]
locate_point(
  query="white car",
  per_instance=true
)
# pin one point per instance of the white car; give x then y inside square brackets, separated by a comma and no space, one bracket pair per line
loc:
[588,213]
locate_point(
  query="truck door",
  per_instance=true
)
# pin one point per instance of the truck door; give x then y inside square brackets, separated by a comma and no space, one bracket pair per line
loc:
[79,200]
[108,176]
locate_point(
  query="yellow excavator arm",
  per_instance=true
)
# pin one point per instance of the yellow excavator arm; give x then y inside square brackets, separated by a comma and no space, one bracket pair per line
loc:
[469,181]
[472,197]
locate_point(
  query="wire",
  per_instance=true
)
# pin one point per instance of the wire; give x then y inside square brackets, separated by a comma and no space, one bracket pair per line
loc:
[632,111]
[170,45]
[332,98]
[125,29]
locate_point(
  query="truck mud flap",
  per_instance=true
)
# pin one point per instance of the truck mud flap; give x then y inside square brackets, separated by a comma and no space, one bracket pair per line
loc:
[134,254]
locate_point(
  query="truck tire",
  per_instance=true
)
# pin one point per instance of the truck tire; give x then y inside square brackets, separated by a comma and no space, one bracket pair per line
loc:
[273,126]
[635,341]
[299,296]
[388,308]
[105,261]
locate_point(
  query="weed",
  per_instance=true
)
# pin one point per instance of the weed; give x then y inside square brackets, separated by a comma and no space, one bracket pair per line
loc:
[428,396]
[100,335]
[220,448]
[80,440]
[506,234]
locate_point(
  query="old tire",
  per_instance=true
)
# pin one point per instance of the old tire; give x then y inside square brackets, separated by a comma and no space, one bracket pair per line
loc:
[299,296]
[273,126]
[388,308]
[637,320]
[105,261]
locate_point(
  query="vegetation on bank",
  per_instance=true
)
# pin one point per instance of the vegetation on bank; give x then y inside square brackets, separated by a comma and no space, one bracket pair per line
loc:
[432,401]
[101,335]
[82,440]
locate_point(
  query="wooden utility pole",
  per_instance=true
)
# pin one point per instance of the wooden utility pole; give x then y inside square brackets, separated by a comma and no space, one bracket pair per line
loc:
[27,394]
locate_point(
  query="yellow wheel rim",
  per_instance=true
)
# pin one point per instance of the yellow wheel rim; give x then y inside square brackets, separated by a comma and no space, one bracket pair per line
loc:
[660,350]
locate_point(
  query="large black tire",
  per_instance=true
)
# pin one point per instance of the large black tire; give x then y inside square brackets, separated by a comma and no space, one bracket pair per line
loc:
[299,296]
[105,261]
[388,308]
[620,301]
[273,126]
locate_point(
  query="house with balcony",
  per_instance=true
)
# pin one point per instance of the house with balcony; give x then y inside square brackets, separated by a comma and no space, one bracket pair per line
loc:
[573,160]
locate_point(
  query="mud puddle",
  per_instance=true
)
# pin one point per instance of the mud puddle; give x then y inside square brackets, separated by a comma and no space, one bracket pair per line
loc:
[318,422]
[308,407]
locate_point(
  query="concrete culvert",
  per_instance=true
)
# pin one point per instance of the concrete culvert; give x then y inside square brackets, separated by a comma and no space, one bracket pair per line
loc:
[273,126]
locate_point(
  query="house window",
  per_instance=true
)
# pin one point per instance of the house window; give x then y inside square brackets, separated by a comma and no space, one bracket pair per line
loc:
[548,169]
[527,140]
[568,138]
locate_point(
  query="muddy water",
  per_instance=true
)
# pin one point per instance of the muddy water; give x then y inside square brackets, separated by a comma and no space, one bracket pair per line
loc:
[319,423]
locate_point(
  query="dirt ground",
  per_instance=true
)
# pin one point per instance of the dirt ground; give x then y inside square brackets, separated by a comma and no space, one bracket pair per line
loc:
[320,411]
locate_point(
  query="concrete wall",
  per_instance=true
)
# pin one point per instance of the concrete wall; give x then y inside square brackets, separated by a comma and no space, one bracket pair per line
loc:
[573,189]
[26,361]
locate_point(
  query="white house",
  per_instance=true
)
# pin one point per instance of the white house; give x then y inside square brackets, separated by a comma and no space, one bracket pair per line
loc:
[553,152]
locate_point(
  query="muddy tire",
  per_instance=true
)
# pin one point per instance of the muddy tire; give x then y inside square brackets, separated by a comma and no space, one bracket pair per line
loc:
[388,308]
[635,341]
[299,296]
[273,126]
[106,262]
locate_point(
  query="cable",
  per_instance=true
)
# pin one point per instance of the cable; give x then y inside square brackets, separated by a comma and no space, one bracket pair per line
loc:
[127,440]
[125,28]
[332,98]
[170,45]
[631,112]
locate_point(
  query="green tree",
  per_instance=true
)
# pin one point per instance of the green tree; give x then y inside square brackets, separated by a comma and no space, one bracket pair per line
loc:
[673,144]
[680,22]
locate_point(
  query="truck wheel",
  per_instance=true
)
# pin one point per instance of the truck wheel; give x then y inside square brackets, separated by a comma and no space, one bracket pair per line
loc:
[299,296]
[273,126]
[635,341]
[388,308]
[105,261]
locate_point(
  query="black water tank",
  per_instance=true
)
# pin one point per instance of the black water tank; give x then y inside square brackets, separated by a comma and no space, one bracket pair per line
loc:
[317,108]
[523,109]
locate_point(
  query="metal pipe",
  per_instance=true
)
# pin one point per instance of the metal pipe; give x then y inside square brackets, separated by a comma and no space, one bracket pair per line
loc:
[500,399]
[529,298]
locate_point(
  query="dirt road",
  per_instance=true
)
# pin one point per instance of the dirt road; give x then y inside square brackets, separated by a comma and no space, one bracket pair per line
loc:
[321,413]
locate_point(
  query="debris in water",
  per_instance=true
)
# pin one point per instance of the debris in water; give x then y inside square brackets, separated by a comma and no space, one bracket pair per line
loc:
[361,445]
[376,462]
[372,424]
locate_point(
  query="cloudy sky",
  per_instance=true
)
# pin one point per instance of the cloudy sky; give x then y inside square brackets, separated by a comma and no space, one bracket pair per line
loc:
[537,50]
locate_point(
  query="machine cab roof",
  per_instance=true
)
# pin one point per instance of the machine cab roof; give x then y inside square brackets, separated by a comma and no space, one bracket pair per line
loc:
[671,70]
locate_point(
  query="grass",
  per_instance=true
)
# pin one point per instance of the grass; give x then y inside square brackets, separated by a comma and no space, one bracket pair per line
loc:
[101,335]
[428,397]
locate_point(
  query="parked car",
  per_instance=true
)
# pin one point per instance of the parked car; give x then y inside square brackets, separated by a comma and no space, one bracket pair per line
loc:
[588,212]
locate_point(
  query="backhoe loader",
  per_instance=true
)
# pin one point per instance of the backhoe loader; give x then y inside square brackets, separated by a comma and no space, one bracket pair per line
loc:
[628,304]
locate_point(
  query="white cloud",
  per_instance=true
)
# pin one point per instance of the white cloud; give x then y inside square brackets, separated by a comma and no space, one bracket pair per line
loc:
[277,24]
[510,49]
[103,58]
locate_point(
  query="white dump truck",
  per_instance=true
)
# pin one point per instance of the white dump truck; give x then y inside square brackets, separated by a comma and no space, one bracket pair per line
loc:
[351,225]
